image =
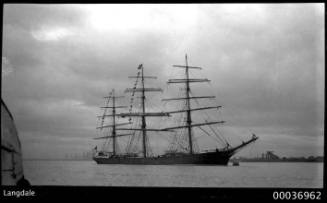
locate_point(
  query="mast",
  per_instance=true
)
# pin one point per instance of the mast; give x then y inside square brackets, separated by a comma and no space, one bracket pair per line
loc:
[114,115]
[188,106]
[189,124]
[143,111]
[113,123]
[143,114]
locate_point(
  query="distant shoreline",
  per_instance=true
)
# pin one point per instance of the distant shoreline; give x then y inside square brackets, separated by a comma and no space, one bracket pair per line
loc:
[289,161]
[316,159]
[231,161]
[37,159]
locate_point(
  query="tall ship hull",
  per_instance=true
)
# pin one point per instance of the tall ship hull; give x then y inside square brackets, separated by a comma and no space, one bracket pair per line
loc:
[183,134]
[208,158]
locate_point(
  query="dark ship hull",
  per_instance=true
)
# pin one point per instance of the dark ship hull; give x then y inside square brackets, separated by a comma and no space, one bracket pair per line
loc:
[208,158]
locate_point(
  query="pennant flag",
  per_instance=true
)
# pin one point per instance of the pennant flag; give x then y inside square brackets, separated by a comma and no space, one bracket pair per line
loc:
[140,66]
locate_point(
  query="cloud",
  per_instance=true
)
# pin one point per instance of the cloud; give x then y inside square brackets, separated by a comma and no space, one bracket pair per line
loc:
[265,63]
[51,34]
[6,67]
[34,16]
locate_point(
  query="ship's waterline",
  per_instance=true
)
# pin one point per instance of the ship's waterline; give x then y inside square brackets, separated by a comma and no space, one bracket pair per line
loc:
[210,158]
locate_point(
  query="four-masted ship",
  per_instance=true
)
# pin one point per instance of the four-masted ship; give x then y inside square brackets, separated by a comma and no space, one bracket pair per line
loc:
[217,156]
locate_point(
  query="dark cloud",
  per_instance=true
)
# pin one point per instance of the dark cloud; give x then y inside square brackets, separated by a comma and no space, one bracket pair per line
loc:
[35,16]
[265,62]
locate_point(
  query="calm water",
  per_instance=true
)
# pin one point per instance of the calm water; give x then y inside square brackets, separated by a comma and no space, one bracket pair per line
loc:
[88,173]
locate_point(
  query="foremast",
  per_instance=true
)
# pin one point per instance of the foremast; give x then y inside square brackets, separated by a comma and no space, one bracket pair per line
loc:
[189,125]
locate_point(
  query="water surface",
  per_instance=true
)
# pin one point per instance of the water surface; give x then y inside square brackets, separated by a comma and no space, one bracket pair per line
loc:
[88,173]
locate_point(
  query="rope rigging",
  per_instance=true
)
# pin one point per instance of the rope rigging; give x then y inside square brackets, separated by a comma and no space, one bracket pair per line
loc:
[219,136]
[102,119]
[133,93]
[190,122]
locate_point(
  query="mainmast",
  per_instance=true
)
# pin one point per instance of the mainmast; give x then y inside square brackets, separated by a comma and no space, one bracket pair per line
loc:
[143,114]
[188,106]
[187,80]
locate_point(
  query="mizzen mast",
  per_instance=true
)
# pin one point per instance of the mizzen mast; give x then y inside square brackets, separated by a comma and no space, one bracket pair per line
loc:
[114,134]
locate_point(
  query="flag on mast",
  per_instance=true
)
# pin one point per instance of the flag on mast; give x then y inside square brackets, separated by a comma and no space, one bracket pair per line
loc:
[140,66]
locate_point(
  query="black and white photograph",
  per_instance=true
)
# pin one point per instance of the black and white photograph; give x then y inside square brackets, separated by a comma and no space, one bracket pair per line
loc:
[148,95]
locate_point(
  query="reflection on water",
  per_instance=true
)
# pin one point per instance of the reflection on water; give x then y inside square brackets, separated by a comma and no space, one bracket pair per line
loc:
[88,173]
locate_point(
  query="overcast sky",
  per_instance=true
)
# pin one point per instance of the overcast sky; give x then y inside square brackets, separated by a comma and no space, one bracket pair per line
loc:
[265,62]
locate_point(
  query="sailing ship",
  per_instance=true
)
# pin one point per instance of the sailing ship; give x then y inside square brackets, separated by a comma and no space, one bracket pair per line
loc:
[185,154]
